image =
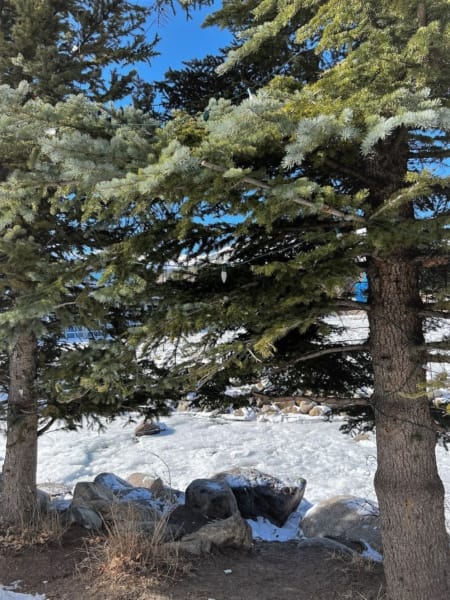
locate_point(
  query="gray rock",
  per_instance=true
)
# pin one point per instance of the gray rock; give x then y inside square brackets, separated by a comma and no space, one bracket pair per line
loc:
[346,519]
[233,532]
[93,496]
[43,501]
[213,499]
[147,428]
[114,483]
[86,517]
[261,495]
[114,499]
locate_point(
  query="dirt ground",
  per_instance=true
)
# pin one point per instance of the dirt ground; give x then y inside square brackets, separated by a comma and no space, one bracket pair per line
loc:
[268,571]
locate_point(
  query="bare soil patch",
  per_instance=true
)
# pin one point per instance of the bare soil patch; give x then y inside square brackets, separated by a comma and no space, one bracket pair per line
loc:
[269,571]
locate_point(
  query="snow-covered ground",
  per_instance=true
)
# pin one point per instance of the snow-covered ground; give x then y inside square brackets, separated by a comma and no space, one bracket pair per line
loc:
[195,445]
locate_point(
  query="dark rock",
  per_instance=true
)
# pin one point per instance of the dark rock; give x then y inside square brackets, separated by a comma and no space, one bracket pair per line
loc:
[213,499]
[183,520]
[261,495]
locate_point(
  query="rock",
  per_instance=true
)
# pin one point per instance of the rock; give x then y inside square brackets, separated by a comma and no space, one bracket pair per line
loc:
[154,484]
[261,495]
[94,497]
[213,499]
[43,501]
[55,490]
[115,484]
[142,499]
[117,501]
[268,409]
[147,428]
[289,410]
[284,404]
[183,520]
[245,413]
[318,411]
[233,532]
[347,519]
[86,517]
[183,405]
[306,405]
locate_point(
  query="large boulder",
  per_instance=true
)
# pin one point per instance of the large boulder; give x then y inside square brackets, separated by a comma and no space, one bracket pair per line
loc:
[233,532]
[346,519]
[213,499]
[261,495]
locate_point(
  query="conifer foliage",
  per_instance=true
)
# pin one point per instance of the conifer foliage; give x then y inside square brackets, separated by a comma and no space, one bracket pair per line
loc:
[56,143]
[339,172]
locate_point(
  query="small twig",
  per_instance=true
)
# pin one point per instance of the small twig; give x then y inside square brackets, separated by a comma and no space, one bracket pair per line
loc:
[264,186]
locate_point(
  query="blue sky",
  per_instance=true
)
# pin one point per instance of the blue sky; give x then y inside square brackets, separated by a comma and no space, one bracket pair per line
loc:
[183,39]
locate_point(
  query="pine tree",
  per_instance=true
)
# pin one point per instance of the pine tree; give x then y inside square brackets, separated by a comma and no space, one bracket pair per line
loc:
[358,179]
[187,90]
[54,147]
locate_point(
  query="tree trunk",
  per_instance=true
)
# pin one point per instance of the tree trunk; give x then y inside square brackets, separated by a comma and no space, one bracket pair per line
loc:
[410,492]
[18,499]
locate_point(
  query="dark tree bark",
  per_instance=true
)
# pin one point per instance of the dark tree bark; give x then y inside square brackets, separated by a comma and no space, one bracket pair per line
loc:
[410,492]
[18,500]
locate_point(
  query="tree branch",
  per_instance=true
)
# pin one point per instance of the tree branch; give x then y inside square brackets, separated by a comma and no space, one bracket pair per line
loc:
[324,352]
[46,427]
[306,203]
[352,305]
[349,171]
[440,345]
[435,314]
[438,358]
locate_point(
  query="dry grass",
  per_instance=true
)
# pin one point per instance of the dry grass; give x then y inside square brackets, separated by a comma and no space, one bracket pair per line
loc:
[127,549]
[44,528]
[354,595]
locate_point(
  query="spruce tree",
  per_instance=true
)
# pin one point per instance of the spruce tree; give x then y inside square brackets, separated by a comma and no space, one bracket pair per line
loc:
[56,58]
[350,160]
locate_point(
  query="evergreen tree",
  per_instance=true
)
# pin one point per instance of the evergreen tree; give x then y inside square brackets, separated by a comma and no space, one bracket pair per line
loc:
[54,147]
[349,161]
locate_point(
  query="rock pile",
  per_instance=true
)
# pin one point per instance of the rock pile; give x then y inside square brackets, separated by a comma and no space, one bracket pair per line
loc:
[213,512]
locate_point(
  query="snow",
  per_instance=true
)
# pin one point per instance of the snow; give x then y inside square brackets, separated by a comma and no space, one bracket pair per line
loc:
[198,445]
[195,445]
[7,593]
